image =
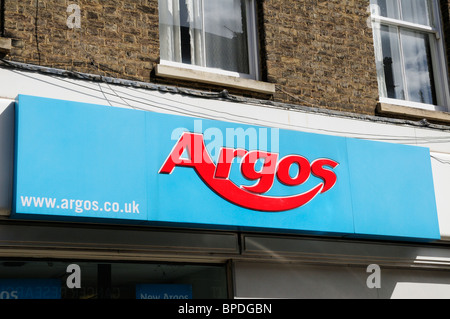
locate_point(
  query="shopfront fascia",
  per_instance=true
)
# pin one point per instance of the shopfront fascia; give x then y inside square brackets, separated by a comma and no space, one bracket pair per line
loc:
[83,162]
[127,188]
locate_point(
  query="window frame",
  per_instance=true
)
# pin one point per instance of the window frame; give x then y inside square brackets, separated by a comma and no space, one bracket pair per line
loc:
[438,59]
[253,50]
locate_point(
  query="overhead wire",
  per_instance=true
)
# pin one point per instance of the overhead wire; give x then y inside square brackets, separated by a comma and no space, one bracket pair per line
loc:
[131,106]
[197,110]
[222,114]
[151,102]
[36,32]
[442,161]
[99,85]
[171,106]
[252,119]
[228,116]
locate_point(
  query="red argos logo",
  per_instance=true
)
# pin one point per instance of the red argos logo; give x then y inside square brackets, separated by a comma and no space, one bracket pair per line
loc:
[217,176]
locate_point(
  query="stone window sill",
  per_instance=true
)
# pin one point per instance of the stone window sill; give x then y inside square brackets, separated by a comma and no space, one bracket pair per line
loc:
[179,73]
[5,45]
[392,109]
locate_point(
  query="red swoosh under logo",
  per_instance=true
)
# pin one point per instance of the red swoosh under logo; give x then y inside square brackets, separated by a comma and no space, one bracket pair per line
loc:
[239,196]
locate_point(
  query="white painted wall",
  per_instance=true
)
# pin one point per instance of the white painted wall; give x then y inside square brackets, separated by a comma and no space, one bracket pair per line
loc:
[14,82]
[6,154]
[264,280]
[441,174]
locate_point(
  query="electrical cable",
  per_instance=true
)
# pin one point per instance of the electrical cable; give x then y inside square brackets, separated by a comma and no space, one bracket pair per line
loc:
[228,116]
[109,86]
[445,162]
[100,87]
[272,123]
[173,105]
[36,32]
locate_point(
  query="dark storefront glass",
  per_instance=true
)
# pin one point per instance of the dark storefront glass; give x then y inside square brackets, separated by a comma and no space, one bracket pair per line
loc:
[48,280]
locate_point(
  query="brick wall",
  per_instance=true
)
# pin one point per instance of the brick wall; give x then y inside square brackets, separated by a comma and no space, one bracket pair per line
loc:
[317,52]
[321,53]
[116,38]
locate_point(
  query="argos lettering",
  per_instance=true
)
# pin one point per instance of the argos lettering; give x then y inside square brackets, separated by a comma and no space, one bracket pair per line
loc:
[190,152]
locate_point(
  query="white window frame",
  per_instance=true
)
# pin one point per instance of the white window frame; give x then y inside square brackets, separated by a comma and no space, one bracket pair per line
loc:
[253,50]
[437,51]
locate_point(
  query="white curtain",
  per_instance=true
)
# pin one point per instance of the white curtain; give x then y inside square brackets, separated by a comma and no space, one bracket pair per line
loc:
[418,68]
[385,8]
[226,35]
[170,29]
[416,11]
[375,10]
[208,33]
[195,13]
[379,60]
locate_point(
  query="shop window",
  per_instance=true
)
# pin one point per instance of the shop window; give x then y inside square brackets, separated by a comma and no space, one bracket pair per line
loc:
[217,36]
[409,53]
[48,280]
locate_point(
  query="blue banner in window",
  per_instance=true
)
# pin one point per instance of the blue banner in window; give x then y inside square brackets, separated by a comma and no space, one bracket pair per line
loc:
[30,289]
[160,291]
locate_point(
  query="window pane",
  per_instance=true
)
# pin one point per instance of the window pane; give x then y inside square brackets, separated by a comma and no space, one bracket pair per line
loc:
[169,30]
[185,27]
[392,63]
[208,33]
[185,23]
[416,11]
[226,35]
[418,67]
[386,8]
[160,281]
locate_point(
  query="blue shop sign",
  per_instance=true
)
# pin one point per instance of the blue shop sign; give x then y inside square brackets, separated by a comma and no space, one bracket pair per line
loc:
[90,162]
